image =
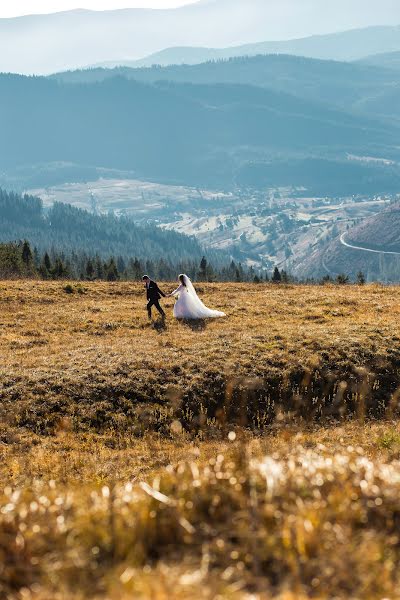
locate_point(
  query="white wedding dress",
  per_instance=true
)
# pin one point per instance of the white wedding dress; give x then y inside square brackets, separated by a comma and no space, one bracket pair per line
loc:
[189,305]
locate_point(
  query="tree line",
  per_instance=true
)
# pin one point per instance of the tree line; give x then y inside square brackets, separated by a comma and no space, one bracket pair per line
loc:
[20,260]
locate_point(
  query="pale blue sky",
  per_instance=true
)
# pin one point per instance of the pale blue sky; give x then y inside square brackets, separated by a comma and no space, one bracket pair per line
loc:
[13,8]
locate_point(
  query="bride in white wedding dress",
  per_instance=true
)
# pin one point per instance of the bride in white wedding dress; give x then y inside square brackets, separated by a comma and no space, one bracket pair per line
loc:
[189,305]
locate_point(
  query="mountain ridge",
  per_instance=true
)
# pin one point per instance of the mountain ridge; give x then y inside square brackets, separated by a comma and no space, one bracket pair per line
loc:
[306,47]
[188,134]
[74,39]
[347,85]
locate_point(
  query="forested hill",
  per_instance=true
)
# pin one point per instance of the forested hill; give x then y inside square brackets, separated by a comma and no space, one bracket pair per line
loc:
[179,133]
[70,229]
[386,60]
[328,81]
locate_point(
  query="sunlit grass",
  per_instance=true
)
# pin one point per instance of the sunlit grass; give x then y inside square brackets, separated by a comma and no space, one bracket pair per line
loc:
[255,456]
[91,361]
[312,521]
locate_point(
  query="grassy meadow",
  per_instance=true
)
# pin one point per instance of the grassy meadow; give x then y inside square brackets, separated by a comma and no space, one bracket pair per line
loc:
[253,457]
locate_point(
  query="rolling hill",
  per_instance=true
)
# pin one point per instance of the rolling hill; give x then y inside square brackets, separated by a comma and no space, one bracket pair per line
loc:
[190,134]
[70,229]
[386,102]
[350,45]
[330,82]
[385,60]
[77,38]
[373,247]
[381,232]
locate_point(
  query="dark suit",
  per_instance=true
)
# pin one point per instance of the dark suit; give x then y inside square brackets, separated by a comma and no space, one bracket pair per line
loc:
[153,296]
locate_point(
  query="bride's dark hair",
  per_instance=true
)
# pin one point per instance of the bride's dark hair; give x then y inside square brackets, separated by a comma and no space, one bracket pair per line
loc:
[182,279]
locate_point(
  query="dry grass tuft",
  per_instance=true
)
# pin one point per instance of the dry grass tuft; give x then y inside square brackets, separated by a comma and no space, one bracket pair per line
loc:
[251,457]
[310,522]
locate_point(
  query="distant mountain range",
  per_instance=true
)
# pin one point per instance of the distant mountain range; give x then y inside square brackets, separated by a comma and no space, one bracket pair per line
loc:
[351,86]
[43,44]
[343,46]
[180,133]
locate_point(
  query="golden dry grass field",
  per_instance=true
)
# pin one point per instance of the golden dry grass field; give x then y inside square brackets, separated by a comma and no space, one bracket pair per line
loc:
[255,456]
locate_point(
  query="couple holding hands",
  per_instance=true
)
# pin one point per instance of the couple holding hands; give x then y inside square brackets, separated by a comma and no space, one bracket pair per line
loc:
[188,304]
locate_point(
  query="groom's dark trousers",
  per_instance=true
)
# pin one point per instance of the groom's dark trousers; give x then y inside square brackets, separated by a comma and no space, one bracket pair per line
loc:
[153,296]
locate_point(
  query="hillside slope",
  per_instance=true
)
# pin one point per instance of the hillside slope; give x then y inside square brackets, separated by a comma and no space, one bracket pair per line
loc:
[177,133]
[386,102]
[386,60]
[381,232]
[70,229]
[372,247]
[331,82]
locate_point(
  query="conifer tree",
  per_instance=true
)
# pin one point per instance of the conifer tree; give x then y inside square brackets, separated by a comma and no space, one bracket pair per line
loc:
[342,279]
[276,277]
[99,268]
[59,271]
[112,271]
[47,261]
[45,267]
[26,254]
[203,269]
[361,278]
[89,270]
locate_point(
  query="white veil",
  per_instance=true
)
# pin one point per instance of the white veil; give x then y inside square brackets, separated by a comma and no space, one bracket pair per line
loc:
[190,287]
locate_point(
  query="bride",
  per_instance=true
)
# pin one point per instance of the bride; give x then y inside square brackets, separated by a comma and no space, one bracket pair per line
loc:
[189,305]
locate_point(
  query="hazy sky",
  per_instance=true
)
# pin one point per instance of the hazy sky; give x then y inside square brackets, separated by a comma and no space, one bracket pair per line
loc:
[13,8]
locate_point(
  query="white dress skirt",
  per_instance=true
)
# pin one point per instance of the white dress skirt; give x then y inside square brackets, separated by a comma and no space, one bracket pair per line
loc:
[189,305]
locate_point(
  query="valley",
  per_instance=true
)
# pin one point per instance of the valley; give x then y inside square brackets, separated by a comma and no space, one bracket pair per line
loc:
[265,228]
[267,159]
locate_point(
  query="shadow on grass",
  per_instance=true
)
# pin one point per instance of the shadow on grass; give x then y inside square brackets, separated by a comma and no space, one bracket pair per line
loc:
[194,324]
[160,325]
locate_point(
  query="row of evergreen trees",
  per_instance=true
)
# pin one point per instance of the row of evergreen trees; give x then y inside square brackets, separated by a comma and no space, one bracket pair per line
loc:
[19,259]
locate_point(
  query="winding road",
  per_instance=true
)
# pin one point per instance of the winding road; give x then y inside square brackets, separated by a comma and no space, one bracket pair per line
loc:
[343,241]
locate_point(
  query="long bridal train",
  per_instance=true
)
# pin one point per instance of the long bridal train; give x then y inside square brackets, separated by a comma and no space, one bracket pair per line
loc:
[189,305]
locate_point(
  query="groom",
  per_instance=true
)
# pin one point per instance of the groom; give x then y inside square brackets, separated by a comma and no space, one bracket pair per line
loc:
[153,296]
